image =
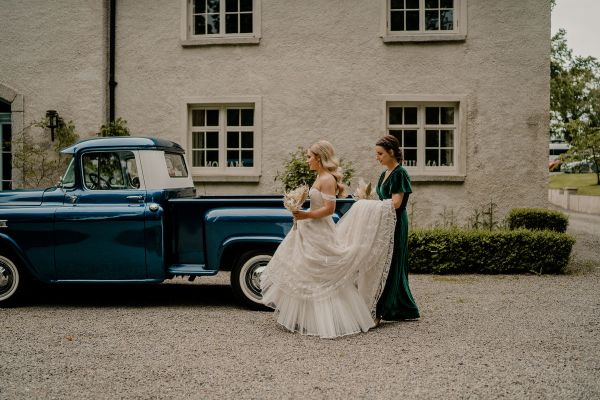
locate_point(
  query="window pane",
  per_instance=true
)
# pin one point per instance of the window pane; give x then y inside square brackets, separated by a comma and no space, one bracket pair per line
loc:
[397,4]
[247,158]
[197,140]
[212,23]
[247,117]
[6,166]
[199,25]
[212,140]
[175,165]
[245,5]
[446,158]
[446,4]
[447,115]
[432,139]
[231,23]
[447,23]
[212,159]
[233,140]
[410,115]
[231,6]
[198,118]
[412,4]
[197,158]
[213,6]
[410,138]
[410,157]
[446,138]
[397,21]
[247,140]
[412,20]
[432,4]
[431,158]
[199,6]
[212,117]
[395,115]
[432,115]
[233,158]
[246,23]
[432,22]
[233,117]
[397,135]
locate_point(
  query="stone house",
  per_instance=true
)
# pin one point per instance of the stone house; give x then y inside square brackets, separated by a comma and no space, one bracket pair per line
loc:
[464,84]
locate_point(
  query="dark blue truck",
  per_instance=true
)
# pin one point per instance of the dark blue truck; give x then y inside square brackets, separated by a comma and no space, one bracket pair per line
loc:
[125,211]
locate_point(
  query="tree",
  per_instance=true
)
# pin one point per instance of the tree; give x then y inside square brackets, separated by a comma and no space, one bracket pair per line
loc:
[38,161]
[574,83]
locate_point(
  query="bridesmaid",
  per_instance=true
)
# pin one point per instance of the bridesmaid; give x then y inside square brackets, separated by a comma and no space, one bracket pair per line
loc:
[396,302]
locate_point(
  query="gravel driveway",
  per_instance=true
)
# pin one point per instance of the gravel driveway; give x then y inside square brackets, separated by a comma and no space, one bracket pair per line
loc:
[510,336]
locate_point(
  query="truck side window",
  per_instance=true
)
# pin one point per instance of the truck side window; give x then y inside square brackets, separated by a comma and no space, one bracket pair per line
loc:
[176,165]
[68,179]
[110,170]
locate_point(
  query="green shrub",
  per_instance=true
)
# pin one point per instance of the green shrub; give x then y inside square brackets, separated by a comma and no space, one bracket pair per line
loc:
[537,218]
[296,171]
[452,251]
[117,127]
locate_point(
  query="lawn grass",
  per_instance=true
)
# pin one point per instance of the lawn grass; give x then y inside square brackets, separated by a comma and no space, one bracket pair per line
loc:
[586,184]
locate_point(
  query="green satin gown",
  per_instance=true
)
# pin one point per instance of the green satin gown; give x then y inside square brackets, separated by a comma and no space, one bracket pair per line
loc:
[396,302]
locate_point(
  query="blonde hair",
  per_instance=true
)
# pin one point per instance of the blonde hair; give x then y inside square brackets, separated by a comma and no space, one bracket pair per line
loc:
[324,150]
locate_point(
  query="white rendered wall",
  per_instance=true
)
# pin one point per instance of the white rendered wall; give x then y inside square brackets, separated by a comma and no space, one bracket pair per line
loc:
[321,70]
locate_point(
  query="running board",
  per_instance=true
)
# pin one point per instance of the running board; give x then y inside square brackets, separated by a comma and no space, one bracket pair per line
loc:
[191,269]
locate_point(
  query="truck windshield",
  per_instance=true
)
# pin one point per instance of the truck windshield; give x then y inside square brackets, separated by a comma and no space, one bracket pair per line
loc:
[68,179]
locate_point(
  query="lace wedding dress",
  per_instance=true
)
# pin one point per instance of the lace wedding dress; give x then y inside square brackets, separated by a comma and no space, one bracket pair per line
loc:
[325,279]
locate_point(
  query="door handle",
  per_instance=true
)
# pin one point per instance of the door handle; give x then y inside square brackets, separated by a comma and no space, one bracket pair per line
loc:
[72,198]
[136,198]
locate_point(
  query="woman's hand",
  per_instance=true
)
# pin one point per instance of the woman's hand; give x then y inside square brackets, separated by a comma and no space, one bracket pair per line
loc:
[301,214]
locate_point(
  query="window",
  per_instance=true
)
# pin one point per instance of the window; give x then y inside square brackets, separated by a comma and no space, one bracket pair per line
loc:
[224,141]
[424,20]
[110,171]
[5,146]
[176,165]
[429,135]
[221,22]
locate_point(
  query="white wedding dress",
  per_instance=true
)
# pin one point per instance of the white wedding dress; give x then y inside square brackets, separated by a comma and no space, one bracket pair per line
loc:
[325,279]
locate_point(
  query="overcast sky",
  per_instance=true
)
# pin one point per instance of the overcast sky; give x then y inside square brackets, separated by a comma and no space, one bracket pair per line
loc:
[580,19]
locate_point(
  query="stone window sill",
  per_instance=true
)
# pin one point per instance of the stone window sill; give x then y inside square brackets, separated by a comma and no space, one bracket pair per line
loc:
[219,41]
[437,178]
[226,178]
[424,37]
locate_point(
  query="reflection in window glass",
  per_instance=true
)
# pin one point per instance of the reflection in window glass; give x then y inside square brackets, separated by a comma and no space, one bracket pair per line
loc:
[176,165]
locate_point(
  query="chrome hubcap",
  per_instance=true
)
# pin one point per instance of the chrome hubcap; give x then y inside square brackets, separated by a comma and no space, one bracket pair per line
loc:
[253,276]
[6,279]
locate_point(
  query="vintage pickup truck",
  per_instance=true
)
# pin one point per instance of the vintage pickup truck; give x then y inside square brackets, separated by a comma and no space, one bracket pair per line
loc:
[125,211]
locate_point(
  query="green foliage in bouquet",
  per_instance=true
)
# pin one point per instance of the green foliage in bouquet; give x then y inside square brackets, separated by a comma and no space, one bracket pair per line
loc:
[296,172]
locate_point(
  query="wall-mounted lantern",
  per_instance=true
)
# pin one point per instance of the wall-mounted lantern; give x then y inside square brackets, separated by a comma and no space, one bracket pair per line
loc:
[52,117]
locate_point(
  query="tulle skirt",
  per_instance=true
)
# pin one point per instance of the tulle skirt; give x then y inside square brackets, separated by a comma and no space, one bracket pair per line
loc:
[325,279]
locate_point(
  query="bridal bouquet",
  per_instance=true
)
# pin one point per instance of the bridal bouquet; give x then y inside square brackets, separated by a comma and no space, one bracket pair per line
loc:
[364,191]
[293,199]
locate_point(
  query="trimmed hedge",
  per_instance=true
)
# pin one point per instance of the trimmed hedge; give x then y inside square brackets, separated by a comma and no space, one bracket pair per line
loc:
[453,251]
[537,218]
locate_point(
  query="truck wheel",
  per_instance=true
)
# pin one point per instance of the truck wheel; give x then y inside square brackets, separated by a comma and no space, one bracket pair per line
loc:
[11,282]
[245,277]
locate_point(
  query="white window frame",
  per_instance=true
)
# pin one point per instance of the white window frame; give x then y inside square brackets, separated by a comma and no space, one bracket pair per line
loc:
[458,33]
[188,39]
[422,172]
[223,173]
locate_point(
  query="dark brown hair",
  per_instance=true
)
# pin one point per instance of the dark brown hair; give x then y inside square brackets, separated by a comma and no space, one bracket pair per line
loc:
[392,144]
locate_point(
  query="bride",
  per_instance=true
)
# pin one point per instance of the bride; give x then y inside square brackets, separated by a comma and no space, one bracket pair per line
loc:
[325,279]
